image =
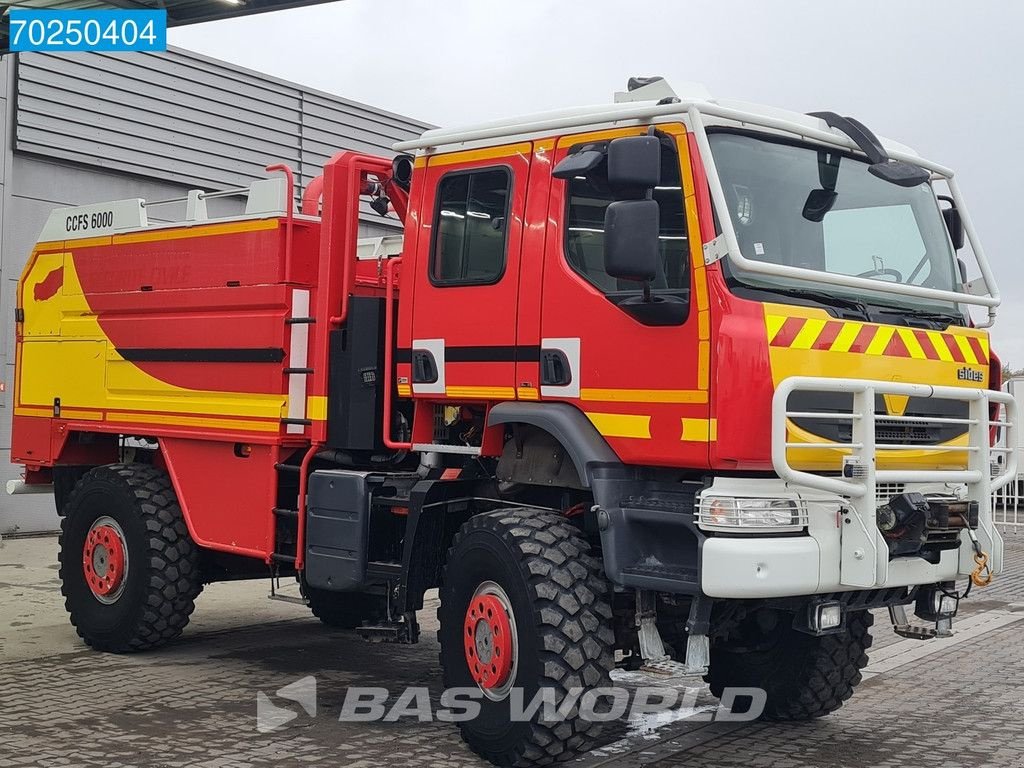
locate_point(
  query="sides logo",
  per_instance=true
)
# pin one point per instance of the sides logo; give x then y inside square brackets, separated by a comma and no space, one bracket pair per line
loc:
[270,717]
[967,374]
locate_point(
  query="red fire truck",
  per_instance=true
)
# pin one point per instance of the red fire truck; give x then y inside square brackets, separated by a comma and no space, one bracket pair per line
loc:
[672,382]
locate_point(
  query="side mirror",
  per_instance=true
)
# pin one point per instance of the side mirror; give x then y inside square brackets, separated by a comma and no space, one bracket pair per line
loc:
[634,165]
[954,224]
[631,239]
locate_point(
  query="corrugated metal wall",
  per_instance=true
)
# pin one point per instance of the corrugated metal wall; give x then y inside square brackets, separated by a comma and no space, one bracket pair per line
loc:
[178,116]
[85,128]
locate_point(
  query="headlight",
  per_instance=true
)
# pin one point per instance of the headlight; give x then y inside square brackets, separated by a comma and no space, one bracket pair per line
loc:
[730,513]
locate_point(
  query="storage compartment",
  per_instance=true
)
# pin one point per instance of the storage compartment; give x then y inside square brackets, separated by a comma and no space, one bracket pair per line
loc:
[338,511]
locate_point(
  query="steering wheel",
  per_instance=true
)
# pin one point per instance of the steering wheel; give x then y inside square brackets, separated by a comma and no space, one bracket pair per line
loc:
[883,273]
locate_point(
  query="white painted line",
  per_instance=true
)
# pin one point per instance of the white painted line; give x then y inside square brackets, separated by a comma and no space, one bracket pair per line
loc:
[907,651]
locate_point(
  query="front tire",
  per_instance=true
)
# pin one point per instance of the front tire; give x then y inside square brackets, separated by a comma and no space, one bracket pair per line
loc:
[524,584]
[804,676]
[129,569]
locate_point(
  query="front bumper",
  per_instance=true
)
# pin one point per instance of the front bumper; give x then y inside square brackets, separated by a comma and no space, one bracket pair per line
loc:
[843,548]
[764,566]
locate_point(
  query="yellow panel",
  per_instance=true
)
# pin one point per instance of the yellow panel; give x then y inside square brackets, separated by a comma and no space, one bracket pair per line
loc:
[316,408]
[101,379]
[621,425]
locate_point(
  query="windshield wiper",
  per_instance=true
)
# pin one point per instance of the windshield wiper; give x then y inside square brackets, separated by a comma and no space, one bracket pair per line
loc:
[827,299]
[923,314]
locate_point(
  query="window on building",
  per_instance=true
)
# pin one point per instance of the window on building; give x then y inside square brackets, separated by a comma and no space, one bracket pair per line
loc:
[470,227]
[584,242]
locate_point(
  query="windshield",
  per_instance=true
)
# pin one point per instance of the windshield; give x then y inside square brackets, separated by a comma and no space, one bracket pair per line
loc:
[823,210]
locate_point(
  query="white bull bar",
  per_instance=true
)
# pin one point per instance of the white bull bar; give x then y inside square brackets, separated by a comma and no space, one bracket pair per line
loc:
[865,557]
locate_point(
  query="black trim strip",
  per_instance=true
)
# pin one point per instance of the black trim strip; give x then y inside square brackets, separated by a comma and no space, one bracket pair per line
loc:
[203,355]
[481,354]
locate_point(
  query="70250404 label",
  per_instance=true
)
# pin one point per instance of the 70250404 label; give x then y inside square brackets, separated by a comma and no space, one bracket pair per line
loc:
[33,29]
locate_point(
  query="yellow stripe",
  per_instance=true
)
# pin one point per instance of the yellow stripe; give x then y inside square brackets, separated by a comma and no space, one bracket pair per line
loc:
[703,365]
[883,334]
[808,334]
[404,390]
[912,344]
[774,324]
[845,337]
[230,228]
[621,425]
[65,413]
[528,393]
[965,349]
[940,346]
[490,153]
[195,421]
[487,393]
[699,430]
[644,395]
[704,324]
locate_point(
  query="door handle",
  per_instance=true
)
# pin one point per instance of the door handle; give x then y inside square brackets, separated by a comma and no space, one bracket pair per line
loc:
[554,368]
[424,367]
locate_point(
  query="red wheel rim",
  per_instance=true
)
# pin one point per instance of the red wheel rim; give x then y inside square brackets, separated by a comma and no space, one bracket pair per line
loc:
[103,560]
[488,641]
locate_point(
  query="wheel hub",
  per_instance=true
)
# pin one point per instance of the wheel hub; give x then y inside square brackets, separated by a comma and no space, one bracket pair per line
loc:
[489,641]
[104,560]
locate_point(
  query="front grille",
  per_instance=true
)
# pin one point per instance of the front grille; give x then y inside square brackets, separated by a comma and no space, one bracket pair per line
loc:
[885,491]
[887,430]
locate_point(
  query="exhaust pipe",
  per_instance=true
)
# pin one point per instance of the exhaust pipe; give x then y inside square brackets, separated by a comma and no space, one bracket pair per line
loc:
[19,487]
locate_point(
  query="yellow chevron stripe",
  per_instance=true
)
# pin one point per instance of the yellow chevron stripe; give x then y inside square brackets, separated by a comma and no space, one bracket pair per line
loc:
[940,346]
[846,336]
[912,344]
[965,350]
[807,335]
[883,334]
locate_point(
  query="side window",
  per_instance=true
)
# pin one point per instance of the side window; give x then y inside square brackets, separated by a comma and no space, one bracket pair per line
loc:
[470,226]
[584,238]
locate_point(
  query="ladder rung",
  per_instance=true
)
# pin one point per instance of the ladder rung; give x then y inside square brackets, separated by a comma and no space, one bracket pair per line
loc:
[277,557]
[282,512]
[300,320]
[301,422]
[289,371]
[287,467]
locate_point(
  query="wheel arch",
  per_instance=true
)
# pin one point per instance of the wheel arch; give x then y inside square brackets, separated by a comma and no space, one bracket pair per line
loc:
[568,425]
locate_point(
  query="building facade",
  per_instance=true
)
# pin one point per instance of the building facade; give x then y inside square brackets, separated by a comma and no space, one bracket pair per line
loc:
[86,128]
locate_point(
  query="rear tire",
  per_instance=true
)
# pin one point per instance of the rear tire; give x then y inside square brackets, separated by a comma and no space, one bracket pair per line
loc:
[804,676]
[535,571]
[149,599]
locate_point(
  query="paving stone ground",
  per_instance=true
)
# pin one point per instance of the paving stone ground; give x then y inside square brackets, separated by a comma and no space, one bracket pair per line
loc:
[194,702]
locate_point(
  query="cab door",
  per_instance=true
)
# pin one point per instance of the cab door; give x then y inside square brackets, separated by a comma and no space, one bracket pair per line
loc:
[467,277]
[641,377]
